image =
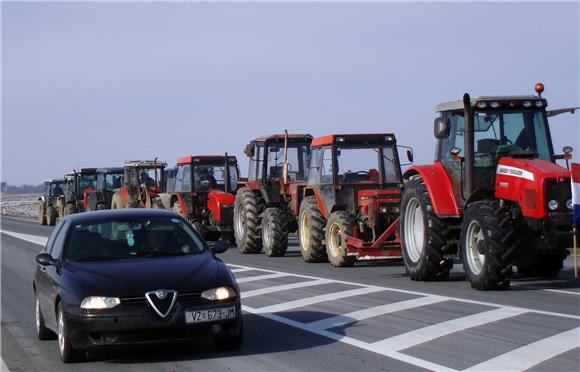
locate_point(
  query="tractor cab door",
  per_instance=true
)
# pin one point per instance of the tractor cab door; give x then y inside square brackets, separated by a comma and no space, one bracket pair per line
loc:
[456,139]
[321,175]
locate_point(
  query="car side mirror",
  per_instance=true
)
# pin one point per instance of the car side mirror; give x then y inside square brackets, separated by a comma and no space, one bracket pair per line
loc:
[220,246]
[249,150]
[45,259]
[440,128]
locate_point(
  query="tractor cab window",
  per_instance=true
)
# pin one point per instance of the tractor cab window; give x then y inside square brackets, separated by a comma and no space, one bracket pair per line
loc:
[69,185]
[391,169]
[87,180]
[151,177]
[213,176]
[55,189]
[358,165]
[326,169]
[313,165]
[256,162]
[297,154]
[113,181]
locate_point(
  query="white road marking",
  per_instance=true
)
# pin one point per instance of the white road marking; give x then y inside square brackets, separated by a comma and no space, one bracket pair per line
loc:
[284,287]
[561,291]
[241,270]
[260,277]
[532,354]
[426,334]
[36,239]
[372,312]
[320,298]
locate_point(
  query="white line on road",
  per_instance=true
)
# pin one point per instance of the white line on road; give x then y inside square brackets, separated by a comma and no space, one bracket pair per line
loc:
[426,334]
[260,277]
[561,291]
[36,239]
[284,287]
[321,298]
[532,354]
[240,270]
[371,312]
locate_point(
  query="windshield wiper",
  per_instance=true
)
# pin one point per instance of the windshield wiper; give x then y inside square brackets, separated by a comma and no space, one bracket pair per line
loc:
[161,254]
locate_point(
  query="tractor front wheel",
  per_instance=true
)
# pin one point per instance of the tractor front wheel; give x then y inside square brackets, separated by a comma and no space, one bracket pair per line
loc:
[274,232]
[339,226]
[311,231]
[487,243]
[41,213]
[423,235]
[247,221]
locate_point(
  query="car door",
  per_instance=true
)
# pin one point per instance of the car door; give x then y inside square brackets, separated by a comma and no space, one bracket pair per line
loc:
[41,277]
[54,278]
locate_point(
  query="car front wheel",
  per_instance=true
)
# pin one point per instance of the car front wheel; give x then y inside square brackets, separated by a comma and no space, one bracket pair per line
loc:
[68,354]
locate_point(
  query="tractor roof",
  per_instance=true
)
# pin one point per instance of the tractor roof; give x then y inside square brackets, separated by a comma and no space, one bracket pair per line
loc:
[111,170]
[54,180]
[282,136]
[88,170]
[188,159]
[350,138]
[458,105]
[145,163]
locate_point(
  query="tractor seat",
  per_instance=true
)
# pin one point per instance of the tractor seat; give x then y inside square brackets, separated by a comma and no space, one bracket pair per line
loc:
[487,145]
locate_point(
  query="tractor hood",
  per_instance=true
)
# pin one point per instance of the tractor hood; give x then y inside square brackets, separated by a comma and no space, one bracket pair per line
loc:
[532,183]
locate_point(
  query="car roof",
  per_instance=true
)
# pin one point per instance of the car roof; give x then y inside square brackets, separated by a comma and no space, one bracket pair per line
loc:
[111,214]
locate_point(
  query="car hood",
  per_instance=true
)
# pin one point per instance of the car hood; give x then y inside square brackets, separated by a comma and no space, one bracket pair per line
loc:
[135,277]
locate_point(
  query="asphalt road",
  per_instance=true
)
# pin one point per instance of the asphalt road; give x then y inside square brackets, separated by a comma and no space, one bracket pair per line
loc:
[315,317]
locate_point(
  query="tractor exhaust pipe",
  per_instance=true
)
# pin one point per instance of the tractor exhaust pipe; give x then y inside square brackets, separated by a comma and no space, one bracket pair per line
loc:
[285,166]
[468,183]
[227,176]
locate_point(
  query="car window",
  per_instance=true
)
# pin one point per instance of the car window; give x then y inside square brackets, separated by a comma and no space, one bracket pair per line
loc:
[50,243]
[59,242]
[129,239]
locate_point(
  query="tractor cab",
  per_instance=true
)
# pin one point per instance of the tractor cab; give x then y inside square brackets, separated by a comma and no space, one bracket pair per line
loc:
[354,186]
[47,203]
[143,181]
[77,185]
[108,179]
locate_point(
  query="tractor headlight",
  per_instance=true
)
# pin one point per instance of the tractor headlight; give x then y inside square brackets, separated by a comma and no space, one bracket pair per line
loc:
[539,103]
[481,105]
[527,104]
[217,294]
[99,303]
[494,104]
[569,204]
[552,205]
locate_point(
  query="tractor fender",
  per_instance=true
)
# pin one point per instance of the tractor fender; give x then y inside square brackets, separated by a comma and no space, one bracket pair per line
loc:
[165,200]
[217,199]
[41,199]
[439,187]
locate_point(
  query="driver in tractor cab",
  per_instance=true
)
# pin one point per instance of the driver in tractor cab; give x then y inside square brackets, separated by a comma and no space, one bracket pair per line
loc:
[148,181]
[57,191]
[206,178]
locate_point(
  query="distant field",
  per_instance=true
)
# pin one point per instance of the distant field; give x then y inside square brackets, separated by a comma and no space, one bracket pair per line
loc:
[20,205]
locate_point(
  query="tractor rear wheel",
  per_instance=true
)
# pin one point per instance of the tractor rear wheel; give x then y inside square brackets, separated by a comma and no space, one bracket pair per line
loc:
[247,221]
[423,234]
[41,213]
[50,216]
[274,232]
[311,231]
[339,226]
[488,247]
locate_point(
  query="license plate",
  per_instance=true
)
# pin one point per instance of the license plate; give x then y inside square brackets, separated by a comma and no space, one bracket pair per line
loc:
[209,315]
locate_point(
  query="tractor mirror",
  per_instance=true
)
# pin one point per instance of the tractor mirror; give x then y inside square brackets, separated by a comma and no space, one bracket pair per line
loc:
[249,150]
[410,155]
[440,128]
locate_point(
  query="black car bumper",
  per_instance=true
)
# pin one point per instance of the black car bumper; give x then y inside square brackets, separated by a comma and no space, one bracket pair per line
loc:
[136,323]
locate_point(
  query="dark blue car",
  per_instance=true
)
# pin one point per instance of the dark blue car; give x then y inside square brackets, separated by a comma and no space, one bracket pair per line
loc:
[133,276]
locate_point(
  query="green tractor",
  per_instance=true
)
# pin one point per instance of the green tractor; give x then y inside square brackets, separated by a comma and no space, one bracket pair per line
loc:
[47,203]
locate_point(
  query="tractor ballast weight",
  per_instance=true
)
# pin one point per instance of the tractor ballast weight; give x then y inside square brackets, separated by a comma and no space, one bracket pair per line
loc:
[202,192]
[47,203]
[108,179]
[494,195]
[268,202]
[143,181]
[351,204]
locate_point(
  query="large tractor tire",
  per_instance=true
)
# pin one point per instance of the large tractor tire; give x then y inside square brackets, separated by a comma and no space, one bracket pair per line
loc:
[70,208]
[423,234]
[41,213]
[488,247]
[311,231]
[116,202]
[340,225]
[50,216]
[274,232]
[247,221]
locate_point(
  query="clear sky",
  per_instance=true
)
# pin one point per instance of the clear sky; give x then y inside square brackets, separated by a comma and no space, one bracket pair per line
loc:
[88,84]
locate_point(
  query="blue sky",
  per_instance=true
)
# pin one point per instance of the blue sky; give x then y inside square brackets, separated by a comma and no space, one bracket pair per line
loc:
[89,84]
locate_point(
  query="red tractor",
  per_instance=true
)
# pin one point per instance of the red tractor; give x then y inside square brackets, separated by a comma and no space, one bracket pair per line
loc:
[143,182]
[350,209]
[494,195]
[267,205]
[202,191]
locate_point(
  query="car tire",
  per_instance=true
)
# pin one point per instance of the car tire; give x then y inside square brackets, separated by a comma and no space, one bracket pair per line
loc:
[488,248]
[231,343]
[42,332]
[423,234]
[311,231]
[41,214]
[339,225]
[50,216]
[247,221]
[68,354]
[274,232]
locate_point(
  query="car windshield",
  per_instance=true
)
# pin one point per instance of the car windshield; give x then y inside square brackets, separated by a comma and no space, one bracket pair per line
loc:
[130,239]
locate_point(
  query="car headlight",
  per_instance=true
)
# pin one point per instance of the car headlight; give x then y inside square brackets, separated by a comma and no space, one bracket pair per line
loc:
[99,302]
[553,205]
[569,203]
[217,294]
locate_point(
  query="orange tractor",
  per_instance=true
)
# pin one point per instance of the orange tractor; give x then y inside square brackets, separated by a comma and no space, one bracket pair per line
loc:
[350,209]
[267,205]
[143,182]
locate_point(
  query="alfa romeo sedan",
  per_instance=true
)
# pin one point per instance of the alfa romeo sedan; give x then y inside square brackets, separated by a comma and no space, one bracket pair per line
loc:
[133,276]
